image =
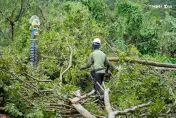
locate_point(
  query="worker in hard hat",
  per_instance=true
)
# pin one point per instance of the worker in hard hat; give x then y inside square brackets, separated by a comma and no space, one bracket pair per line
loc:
[99,60]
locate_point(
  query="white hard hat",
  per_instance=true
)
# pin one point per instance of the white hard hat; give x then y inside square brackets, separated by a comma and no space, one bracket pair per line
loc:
[97,40]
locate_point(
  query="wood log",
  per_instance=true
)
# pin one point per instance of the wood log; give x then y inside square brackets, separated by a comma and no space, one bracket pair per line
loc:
[111,113]
[165,69]
[85,113]
[144,62]
[107,104]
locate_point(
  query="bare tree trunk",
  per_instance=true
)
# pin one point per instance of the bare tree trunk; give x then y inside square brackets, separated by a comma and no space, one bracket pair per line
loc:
[12,30]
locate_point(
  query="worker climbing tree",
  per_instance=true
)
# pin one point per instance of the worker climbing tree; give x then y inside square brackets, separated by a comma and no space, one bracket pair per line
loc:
[35,29]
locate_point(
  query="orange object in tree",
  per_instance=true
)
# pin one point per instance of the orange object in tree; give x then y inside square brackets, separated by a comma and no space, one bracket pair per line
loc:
[108,74]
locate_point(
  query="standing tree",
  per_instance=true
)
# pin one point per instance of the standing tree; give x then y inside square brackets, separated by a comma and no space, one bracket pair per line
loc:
[12,11]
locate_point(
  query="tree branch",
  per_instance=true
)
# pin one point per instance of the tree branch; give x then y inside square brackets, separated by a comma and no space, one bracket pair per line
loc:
[20,12]
[5,16]
[70,63]
[35,78]
[40,81]
[43,13]
[145,62]
[80,108]
[111,114]
[27,100]
[131,109]
[46,90]
[63,105]
[30,85]
[165,69]
[79,97]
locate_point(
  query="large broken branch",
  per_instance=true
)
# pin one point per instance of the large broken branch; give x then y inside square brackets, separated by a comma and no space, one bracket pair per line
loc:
[165,69]
[112,114]
[131,109]
[85,113]
[107,104]
[144,62]
[79,97]
[79,107]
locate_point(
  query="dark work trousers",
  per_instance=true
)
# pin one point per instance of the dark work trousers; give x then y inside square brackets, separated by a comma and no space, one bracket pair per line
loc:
[98,77]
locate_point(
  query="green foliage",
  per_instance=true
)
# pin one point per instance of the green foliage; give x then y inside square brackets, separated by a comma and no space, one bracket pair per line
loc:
[138,84]
[98,8]
[37,114]
[125,24]
[75,27]
[68,90]
[67,30]
[95,109]
[12,110]
[132,16]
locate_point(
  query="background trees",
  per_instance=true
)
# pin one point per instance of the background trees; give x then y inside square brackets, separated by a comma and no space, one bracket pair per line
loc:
[128,29]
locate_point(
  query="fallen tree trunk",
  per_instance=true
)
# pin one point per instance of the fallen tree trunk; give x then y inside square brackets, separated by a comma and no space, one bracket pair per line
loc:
[83,111]
[144,62]
[79,107]
[165,69]
[111,114]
